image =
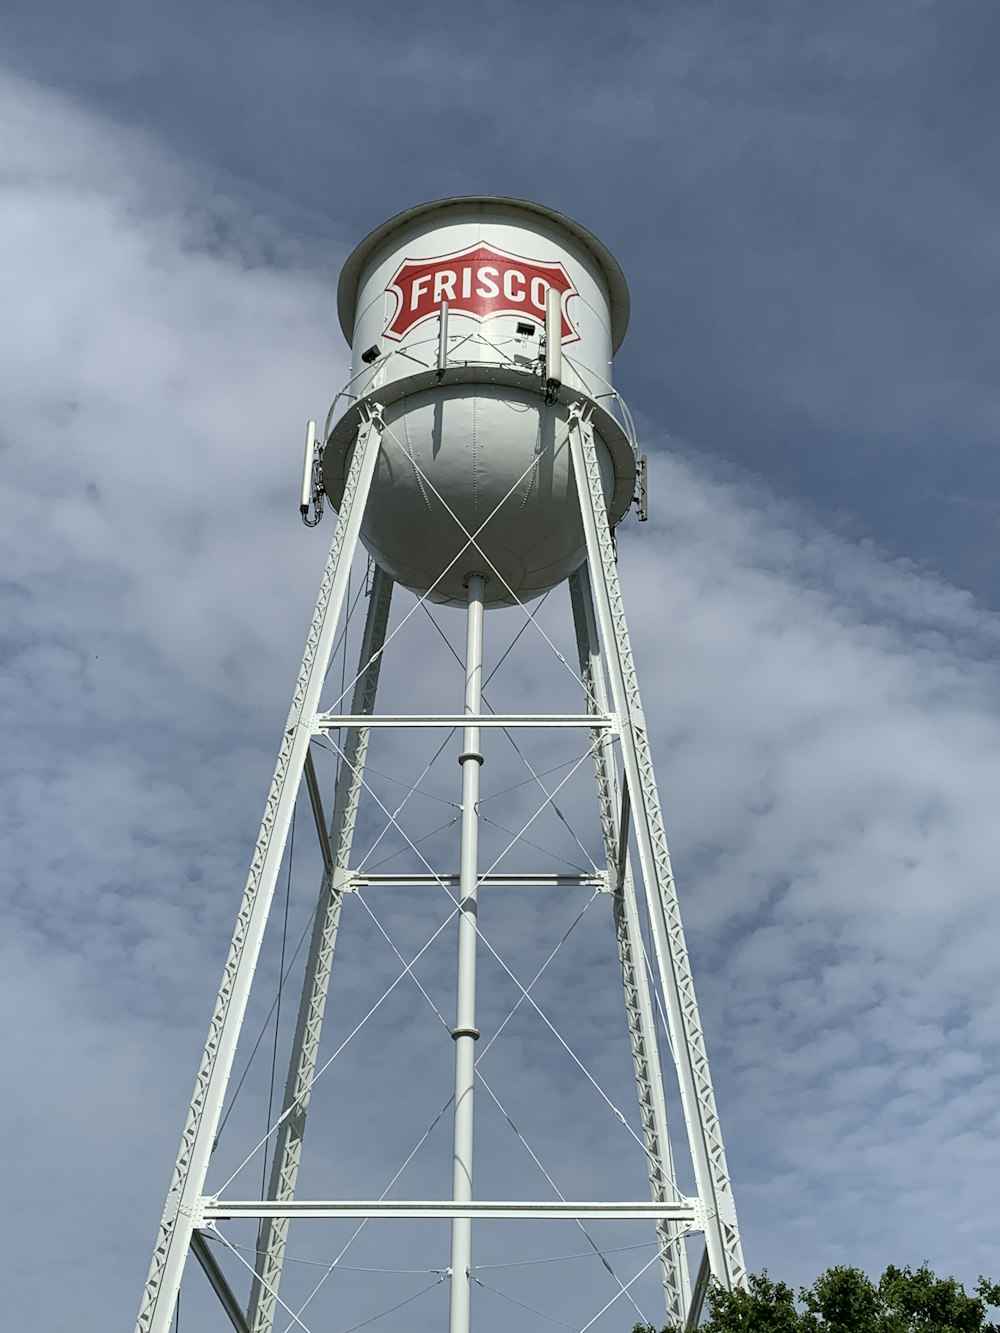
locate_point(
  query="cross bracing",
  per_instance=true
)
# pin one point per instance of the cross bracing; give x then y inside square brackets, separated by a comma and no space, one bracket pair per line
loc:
[376,795]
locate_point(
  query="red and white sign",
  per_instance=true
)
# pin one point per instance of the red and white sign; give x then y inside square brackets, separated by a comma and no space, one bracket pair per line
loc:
[480,281]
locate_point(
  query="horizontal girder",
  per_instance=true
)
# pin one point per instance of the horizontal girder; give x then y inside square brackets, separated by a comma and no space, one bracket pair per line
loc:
[685,1210]
[588,721]
[599,880]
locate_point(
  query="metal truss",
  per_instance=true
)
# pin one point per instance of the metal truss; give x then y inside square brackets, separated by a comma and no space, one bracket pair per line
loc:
[629,809]
[287,1151]
[708,1155]
[187,1185]
[628,936]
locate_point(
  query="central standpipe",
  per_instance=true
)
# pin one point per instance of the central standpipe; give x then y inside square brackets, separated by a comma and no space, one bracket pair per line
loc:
[465,1032]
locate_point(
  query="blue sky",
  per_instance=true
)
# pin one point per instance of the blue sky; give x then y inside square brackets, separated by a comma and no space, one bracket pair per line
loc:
[804,203]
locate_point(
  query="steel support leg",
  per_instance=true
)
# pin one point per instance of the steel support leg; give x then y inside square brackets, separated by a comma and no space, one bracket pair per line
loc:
[628,934]
[173,1239]
[684,1024]
[465,1032]
[287,1152]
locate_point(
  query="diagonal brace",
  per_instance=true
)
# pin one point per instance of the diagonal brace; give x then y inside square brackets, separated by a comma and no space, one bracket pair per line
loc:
[319,818]
[624,823]
[203,1253]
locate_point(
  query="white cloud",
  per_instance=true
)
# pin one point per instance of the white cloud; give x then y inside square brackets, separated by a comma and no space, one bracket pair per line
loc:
[826,738]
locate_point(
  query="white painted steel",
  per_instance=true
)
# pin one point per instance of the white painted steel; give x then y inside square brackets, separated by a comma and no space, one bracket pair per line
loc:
[220,1285]
[553,339]
[188,1182]
[465,1033]
[454,297]
[595,308]
[628,936]
[687,1211]
[332,721]
[319,817]
[308,467]
[597,881]
[699,1292]
[442,361]
[687,1039]
[577,491]
[337,842]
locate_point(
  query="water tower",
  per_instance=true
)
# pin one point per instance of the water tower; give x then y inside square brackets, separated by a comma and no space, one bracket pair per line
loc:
[482,457]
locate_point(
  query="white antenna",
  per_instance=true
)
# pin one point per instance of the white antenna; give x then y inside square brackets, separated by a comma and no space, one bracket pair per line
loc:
[442,361]
[311,494]
[553,341]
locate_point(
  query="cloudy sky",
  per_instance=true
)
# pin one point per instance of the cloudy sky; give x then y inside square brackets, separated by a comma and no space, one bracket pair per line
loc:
[804,201]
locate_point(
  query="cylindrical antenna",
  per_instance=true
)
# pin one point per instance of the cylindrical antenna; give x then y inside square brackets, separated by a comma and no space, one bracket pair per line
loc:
[443,340]
[553,338]
[305,499]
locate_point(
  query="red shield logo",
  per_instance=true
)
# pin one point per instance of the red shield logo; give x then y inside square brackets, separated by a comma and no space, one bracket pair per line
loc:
[483,282]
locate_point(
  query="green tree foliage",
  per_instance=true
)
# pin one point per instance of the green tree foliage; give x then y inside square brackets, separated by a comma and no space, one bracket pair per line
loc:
[845,1300]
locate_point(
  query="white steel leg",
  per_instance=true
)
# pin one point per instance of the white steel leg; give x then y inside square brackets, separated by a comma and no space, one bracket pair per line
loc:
[628,934]
[174,1235]
[697,1094]
[465,1032]
[287,1151]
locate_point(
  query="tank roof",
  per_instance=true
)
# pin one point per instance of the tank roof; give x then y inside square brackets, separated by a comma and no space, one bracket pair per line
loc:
[347,288]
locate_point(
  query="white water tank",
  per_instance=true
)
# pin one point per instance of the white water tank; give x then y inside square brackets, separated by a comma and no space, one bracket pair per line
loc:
[445,310]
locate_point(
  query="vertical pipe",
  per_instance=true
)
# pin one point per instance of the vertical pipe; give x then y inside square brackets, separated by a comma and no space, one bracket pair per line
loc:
[442,365]
[465,1032]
